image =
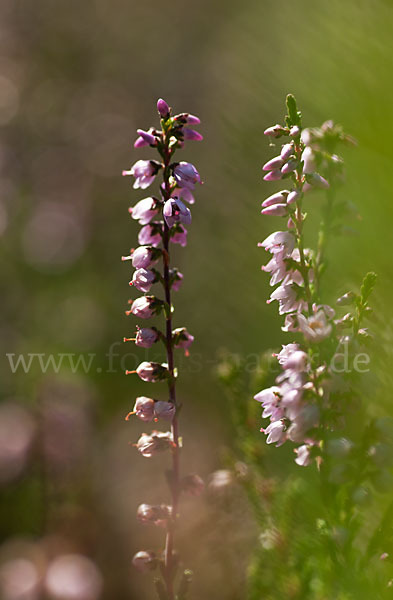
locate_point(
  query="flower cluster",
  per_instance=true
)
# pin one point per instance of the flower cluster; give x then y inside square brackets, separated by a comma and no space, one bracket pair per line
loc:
[300,406]
[163,219]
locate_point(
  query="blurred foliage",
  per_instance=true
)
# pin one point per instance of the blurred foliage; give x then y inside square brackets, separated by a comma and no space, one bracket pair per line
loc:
[77,79]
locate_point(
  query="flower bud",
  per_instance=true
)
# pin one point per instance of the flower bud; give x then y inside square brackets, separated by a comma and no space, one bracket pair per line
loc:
[187,119]
[294,131]
[163,109]
[278,198]
[275,131]
[156,515]
[152,371]
[286,151]
[273,176]
[145,210]
[146,337]
[289,167]
[277,210]
[157,441]
[191,134]
[144,409]
[145,561]
[143,280]
[147,137]
[145,307]
[273,164]
[293,196]
[164,410]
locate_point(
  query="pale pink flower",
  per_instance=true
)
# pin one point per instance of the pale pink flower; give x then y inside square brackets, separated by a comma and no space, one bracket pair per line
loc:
[143,280]
[315,328]
[144,172]
[144,257]
[276,433]
[146,337]
[150,235]
[145,210]
[151,371]
[303,456]
[144,408]
[279,242]
[156,441]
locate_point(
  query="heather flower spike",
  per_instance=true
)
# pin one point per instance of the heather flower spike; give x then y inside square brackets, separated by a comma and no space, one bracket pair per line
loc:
[300,407]
[163,219]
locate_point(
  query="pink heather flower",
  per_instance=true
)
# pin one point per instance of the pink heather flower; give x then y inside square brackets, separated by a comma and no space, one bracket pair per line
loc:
[303,456]
[144,172]
[145,307]
[157,441]
[273,176]
[144,257]
[277,268]
[179,235]
[277,198]
[289,166]
[185,194]
[156,515]
[328,310]
[186,175]
[294,131]
[163,109]
[152,371]
[315,328]
[275,131]
[276,433]
[143,280]
[287,299]
[187,119]
[286,352]
[144,408]
[308,159]
[276,210]
[176,212]
[286,151]
[146,337]
[164,410]
[279,242]
[293,196]
[150,235]
[140,142]
[147,137]
[273,164]
[190,134]
[145,210]
[177,280]
[270,400]
[144,561]
[182,339]
[290,323]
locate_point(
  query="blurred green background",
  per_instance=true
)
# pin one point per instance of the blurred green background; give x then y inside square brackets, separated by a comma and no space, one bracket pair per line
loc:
[76,80]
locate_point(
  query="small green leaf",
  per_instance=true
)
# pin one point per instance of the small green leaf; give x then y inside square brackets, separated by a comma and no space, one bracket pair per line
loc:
[368,285]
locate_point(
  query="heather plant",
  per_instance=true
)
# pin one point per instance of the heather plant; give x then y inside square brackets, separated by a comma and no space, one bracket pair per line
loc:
[325,532]
[163,219]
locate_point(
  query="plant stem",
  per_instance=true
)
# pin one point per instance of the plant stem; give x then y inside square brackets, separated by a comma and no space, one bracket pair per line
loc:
[174,483]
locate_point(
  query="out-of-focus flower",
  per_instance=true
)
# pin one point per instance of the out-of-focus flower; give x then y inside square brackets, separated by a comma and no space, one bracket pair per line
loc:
[156,441]
[20,580]
[164,410]
[73,577]
[315,328]
[17,432]
[193,484]
[144,561]
[155,515]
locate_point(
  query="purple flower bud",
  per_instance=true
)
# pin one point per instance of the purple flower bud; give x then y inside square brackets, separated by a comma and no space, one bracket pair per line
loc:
[289,167]
[147,137]
[273,164]
[164,410]
[176,212]
[151,371]
[290,223]
[150,235]
[182,339]
[277,210]
[275,131]
[179,235]
[293,196]
[156,515]
[294,131]
[273,176]
[157,441]
[163,109]
[140,142]
[187,119]
[145,307]
[143,280]
[143,409]
[190,134]
[146,337]
[144,257]
[286,151]
[278,198]
[144,172]
[193,484]
[145,210]
[186,175]
[145,561]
